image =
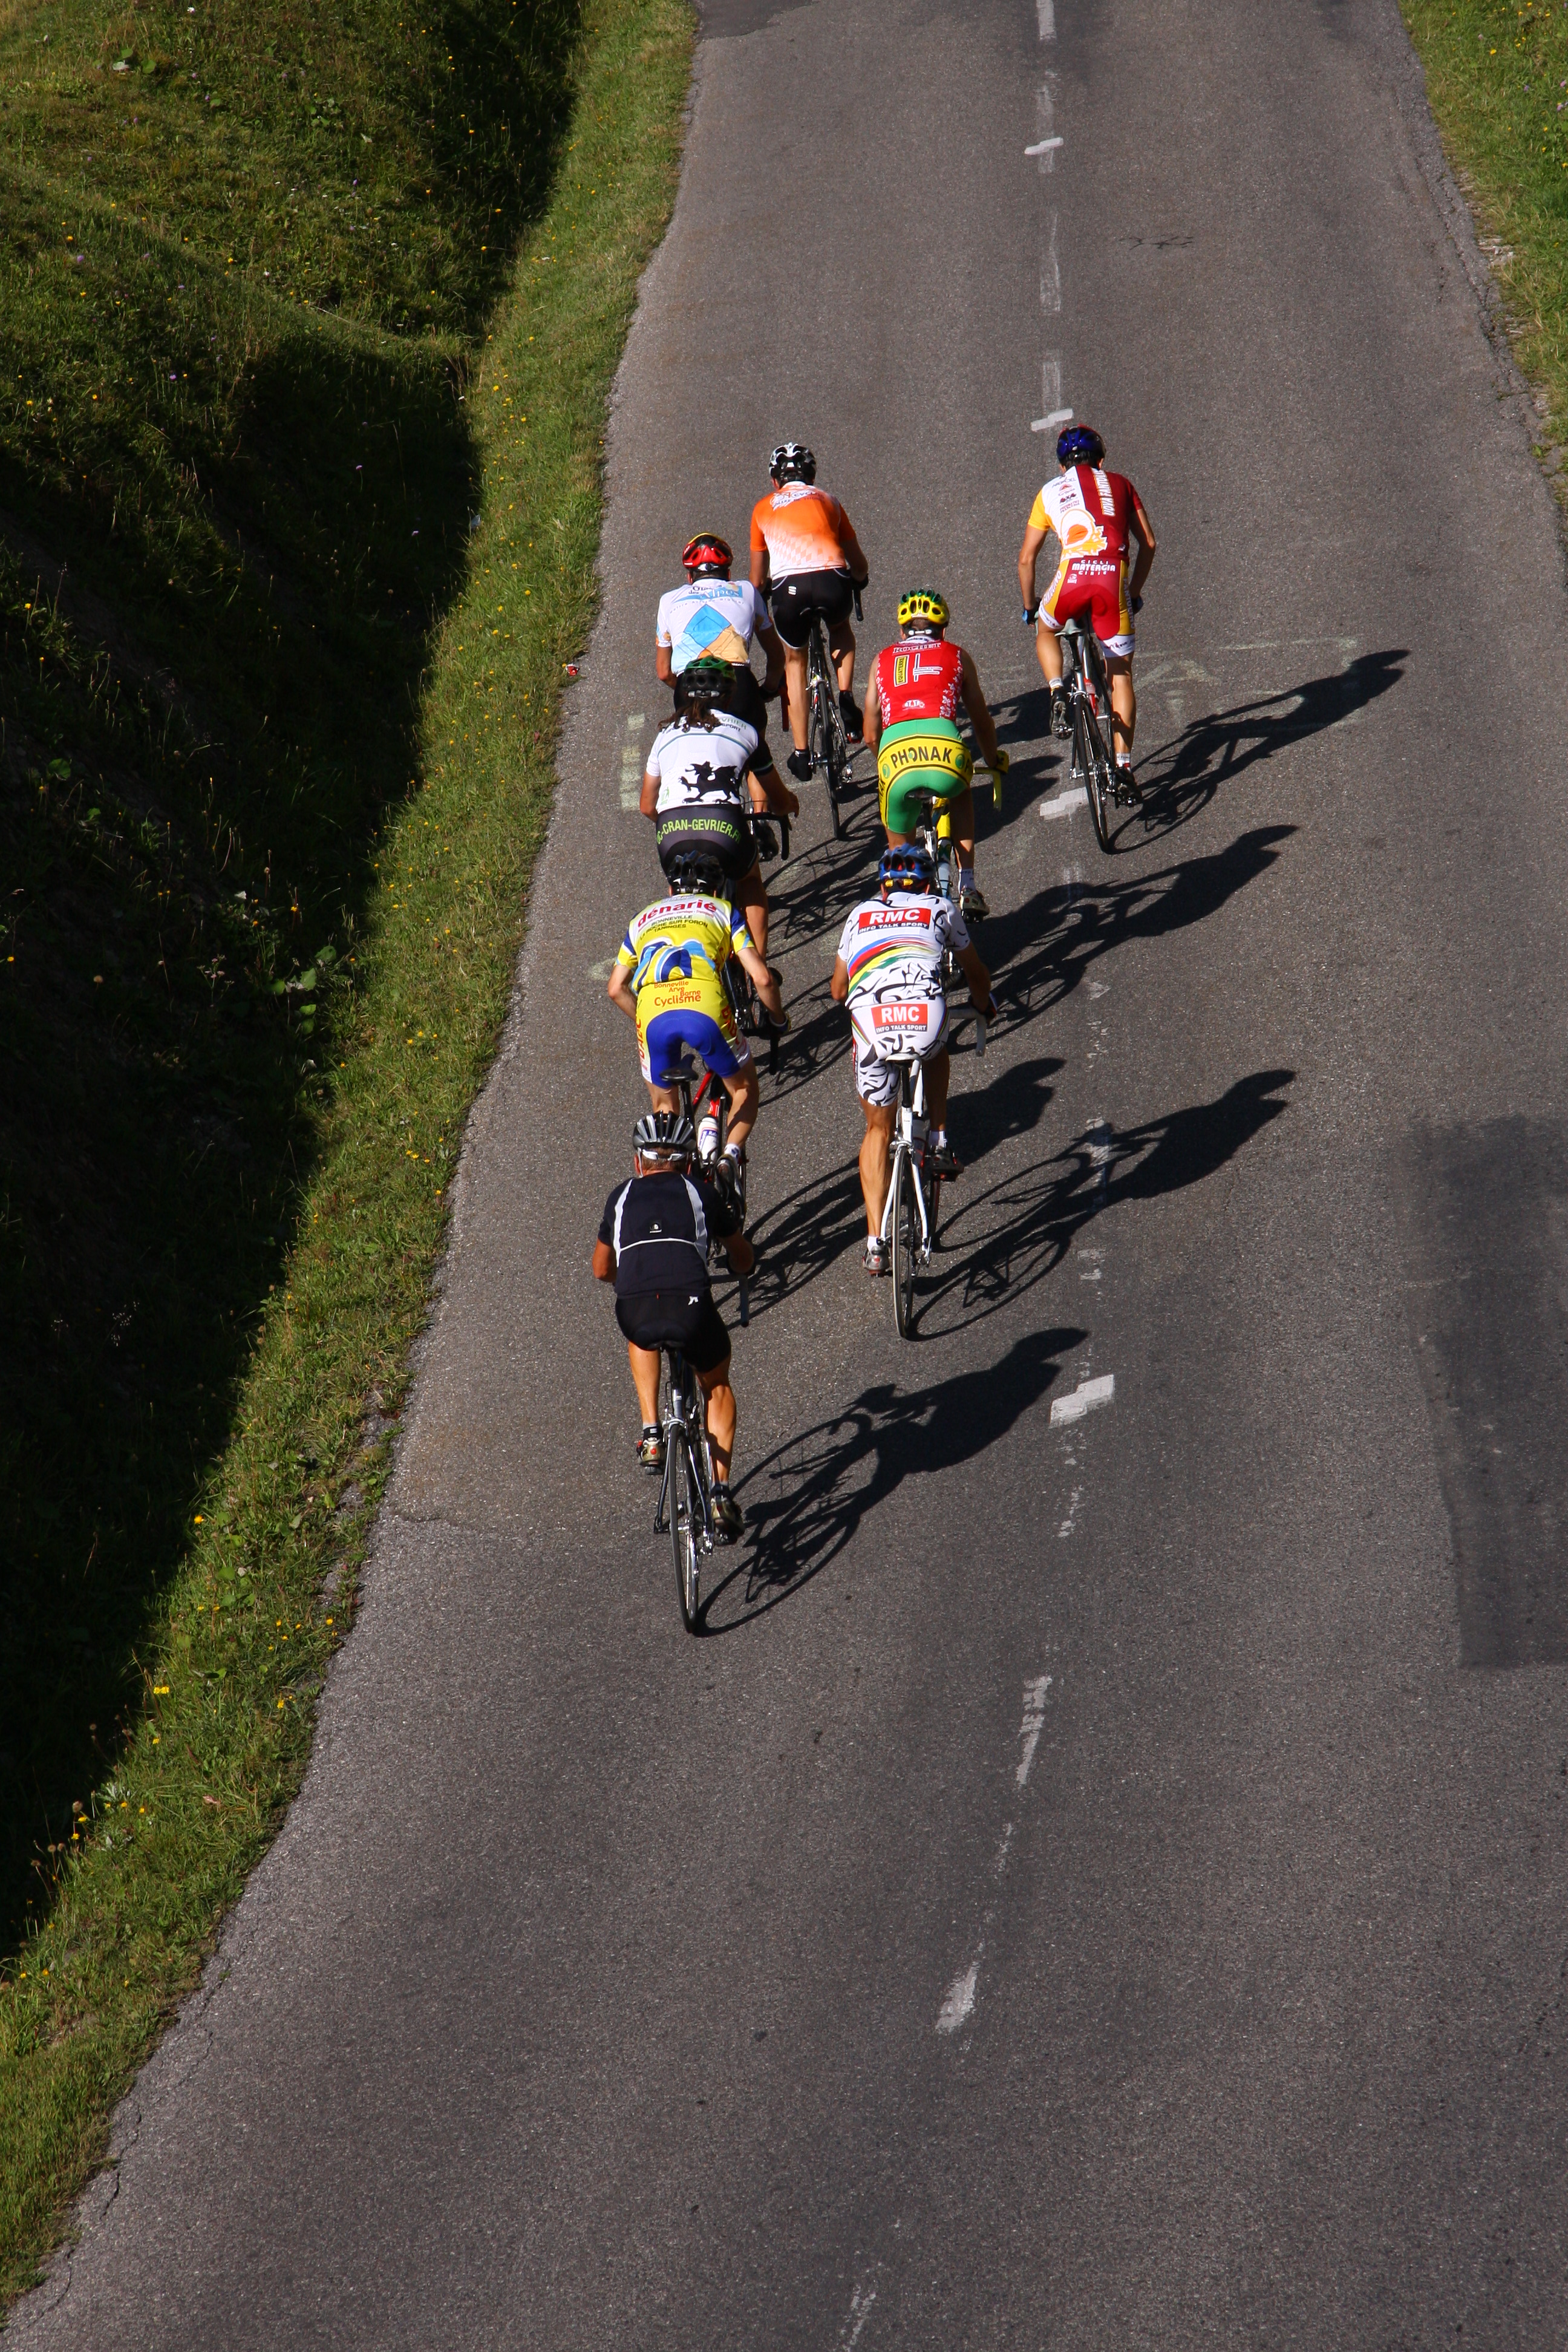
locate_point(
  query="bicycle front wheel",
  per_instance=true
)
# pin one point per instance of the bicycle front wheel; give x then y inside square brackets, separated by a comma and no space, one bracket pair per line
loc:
[684,1525]
[906,1243]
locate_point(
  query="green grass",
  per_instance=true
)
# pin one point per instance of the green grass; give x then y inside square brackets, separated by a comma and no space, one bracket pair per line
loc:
[1497,75]
[299,507]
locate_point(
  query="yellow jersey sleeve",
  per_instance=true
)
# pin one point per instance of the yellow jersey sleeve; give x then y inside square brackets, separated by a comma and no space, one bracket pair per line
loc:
[1038,518]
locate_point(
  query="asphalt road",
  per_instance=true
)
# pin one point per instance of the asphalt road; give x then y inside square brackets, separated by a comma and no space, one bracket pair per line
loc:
[1098,1884]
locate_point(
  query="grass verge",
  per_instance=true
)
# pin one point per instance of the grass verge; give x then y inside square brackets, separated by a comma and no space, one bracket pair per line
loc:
[292,567]
[1497,77]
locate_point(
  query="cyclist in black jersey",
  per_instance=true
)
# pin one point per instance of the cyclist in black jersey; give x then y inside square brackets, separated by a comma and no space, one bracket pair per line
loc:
[653,1245]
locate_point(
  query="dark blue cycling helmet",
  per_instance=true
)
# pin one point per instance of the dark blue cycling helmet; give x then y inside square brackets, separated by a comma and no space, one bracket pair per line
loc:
[910,867]
[1079,445]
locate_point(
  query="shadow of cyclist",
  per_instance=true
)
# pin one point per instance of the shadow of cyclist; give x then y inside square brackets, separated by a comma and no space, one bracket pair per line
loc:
[1000,1242]
[1181,777]
[806,1500]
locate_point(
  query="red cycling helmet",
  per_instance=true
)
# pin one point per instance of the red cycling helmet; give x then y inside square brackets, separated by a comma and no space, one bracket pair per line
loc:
[707,552]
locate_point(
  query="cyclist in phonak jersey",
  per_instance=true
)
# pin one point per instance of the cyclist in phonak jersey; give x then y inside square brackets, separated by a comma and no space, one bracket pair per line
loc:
[888,972]
[1093,514]
[716,616]
[708,775]
[804,544]
[668,982]
[917,687]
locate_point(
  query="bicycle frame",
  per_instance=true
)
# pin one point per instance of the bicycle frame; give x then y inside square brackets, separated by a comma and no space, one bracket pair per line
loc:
[911,1105]
[687,1410]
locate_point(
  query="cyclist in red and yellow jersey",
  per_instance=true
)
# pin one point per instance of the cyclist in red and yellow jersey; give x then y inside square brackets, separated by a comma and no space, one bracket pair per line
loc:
[804,545]
[1093,514]
[918,687]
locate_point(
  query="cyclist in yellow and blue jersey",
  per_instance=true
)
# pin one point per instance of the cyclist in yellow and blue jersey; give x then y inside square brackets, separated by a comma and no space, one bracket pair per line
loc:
[668,979]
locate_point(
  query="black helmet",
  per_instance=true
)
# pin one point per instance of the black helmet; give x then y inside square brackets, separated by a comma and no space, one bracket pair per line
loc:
[668,1132]
[705,681]
[791,461]
[1079,445]
[696,869]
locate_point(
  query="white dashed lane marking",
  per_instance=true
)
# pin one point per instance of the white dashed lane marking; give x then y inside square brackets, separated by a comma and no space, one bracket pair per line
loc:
[958,2001]
[631,763]
[1087,1397]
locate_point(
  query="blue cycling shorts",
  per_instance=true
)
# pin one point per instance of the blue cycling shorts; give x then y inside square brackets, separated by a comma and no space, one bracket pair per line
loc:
[666,1038]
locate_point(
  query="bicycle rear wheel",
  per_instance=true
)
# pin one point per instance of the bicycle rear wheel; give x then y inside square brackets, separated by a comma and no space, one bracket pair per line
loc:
[1089,760]
[829,747]
[906,1241]
[684,1524]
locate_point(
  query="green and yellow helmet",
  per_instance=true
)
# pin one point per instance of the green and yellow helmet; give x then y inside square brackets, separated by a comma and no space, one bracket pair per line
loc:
[927,604]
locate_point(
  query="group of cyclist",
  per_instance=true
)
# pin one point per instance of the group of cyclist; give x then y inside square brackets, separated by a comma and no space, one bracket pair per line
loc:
[711,789]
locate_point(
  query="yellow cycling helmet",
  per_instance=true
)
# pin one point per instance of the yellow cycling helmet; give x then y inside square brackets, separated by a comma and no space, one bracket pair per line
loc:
[923,605]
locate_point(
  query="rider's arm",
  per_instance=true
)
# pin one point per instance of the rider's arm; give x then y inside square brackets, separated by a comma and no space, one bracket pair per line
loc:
[621,990]
[760,570]
[663,665]
[1145,535]
[742,1258]
[839,986]
[776,794]
[1035,538]
[872,718]
[766,985]
[772,644]
[648,799]
[975,973]
[604,1262]
[860,570]
[979,711]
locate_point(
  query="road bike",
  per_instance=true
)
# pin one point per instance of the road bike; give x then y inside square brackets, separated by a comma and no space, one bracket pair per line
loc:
[686,1494]
[1087,684]
[826,738]
[909,1221]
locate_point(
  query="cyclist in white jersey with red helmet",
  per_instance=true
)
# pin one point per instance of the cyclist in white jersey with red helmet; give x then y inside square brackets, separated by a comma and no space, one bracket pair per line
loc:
[1093,514]
[888,966]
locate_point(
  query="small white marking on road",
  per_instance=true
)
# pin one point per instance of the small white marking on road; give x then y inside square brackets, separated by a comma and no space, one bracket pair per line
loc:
[1099,987]
[1045,146]
[1065,803]
[1086,1397]
[1051,275]
[1074,1499]
[631,762]
[1057,416]
[1095,1274]
[1002,1849]
[959,2005]
[1033,1723]
[1045,10]
[861,2303]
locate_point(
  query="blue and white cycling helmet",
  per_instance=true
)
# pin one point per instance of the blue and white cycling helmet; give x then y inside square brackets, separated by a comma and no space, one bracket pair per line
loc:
[1079,445]
[910,867]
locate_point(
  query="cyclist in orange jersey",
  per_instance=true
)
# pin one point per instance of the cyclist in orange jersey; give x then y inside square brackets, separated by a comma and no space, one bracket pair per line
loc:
[804,546]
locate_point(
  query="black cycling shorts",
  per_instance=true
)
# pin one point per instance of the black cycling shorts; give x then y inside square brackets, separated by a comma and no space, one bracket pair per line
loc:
[831,594]
[676,1318]
[723,829]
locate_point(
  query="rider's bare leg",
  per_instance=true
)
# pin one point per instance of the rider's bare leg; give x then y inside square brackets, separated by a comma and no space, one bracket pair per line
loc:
[753,901]
[720,1398]
[841,644]
[1048,652]
[1123,702]
[794,689]
[875,1147]
[644,1363]
[746,1093]
[961,809]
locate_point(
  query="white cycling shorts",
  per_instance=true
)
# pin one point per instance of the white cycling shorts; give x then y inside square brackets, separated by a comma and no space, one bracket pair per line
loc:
[912,1025]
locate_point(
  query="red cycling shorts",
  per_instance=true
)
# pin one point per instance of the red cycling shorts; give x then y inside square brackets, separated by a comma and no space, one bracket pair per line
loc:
[1092,588]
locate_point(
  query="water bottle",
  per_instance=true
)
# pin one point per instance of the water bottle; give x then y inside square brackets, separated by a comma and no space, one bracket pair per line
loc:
[708,1134]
